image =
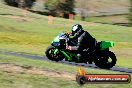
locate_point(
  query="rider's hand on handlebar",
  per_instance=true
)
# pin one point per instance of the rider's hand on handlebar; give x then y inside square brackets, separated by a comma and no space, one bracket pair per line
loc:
[68,47]
[69,34]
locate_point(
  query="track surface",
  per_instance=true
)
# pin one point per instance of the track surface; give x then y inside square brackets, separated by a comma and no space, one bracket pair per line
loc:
[36,57]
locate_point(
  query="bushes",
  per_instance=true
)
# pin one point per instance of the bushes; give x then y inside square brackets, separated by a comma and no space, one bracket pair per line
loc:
[61,8]
[11,2]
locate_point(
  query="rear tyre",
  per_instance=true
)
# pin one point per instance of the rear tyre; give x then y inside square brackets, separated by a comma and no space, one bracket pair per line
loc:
[106,60]
[50,54]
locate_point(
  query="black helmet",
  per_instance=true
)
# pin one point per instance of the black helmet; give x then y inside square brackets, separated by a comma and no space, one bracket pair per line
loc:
[76,29]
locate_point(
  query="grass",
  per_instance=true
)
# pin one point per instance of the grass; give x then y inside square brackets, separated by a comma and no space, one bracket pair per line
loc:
[9,80]
[13,80]
[26,80]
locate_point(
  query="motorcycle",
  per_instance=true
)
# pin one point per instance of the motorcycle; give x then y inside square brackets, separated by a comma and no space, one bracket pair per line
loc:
[101,56]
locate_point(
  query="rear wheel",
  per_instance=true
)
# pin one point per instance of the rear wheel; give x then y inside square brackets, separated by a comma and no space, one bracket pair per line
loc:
[50,54]
[106,60]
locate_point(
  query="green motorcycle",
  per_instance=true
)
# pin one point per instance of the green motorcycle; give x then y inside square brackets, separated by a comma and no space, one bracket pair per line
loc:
[101,56]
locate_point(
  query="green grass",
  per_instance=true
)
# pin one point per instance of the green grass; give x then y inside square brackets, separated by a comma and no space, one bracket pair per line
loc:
[26,80]
[109,19]
[31,33]
[13,80]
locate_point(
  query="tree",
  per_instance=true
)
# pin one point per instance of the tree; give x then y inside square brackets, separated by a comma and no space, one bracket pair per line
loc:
[29,3]
[67,7]
[130,15]
[20,3]
[60,7]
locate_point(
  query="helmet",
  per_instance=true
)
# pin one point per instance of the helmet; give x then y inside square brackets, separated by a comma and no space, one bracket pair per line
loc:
[76,29]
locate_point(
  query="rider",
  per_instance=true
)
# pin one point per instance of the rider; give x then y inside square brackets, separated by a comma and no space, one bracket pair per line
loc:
[84,41]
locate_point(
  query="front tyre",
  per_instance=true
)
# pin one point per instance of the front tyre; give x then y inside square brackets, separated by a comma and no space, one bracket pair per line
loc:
[50,54]
[106,60]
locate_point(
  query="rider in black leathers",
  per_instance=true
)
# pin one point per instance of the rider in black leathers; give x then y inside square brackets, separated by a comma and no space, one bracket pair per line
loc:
[84,41]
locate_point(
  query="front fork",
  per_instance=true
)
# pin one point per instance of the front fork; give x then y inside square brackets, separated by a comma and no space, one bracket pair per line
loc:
[56,51]
[66,55]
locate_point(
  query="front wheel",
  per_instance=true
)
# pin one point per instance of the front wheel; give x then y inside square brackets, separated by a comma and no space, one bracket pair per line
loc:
[106,60]
[50,54]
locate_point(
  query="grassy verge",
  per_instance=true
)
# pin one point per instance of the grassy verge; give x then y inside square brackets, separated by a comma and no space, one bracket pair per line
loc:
[13,80]
[26,80]
[9,80]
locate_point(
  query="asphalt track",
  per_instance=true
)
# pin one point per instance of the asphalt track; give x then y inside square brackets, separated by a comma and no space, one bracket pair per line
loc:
[36,57]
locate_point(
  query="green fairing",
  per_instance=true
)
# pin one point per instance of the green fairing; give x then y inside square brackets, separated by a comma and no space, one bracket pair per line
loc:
[55,52]
[66,55]
[56,39]
[74,56]
[69,58]
[106,44]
